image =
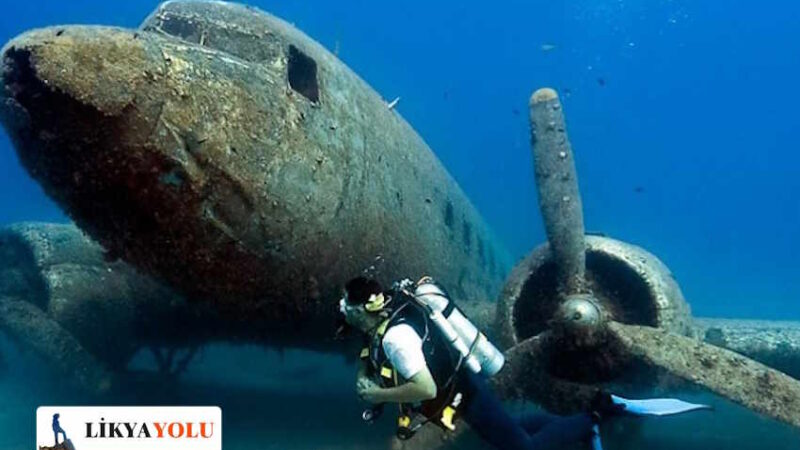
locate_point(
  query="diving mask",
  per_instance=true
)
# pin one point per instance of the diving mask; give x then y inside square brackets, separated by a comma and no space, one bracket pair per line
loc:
[375,303]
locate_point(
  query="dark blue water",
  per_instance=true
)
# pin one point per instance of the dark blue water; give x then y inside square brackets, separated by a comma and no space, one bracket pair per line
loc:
[683,116]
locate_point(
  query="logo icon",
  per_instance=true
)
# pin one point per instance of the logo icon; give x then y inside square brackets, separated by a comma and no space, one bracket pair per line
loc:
[65,443]
[129,428]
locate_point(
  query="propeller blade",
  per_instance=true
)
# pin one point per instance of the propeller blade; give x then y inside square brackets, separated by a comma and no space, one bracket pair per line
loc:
[28,324]
[724,372]
[557,184]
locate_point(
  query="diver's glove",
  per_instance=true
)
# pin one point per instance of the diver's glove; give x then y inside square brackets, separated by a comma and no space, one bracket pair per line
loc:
[603,407]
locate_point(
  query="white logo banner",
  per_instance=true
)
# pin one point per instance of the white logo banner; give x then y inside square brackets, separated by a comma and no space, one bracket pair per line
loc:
[129,427]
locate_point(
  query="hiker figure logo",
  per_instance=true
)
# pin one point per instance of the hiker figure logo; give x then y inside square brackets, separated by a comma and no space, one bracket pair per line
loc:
[65,443]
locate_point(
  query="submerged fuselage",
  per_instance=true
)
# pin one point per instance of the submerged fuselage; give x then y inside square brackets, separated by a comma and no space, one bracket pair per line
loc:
[227,153]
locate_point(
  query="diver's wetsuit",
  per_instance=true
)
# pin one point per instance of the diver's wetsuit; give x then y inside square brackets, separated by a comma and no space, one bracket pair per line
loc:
[535,431]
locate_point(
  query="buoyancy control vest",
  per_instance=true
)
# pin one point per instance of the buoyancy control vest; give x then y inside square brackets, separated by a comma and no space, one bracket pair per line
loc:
[450,344]
[441,360]
[439,357]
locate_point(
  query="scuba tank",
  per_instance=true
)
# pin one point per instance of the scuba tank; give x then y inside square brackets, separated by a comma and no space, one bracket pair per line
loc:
[477,353]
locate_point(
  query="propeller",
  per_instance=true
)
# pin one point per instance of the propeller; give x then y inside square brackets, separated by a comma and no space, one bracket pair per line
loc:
[583,310]
[591,326]
[27,323]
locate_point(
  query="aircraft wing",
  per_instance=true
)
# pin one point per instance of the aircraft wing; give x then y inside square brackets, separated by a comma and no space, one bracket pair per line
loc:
[774,343]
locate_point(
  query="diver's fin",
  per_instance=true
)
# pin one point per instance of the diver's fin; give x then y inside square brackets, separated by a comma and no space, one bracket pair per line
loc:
[648,407]
[597,443]
[657,406]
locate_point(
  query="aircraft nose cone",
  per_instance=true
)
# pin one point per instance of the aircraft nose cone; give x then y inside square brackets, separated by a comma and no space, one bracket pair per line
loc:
[143,141]
[78,104]
[99,67]
[62,87]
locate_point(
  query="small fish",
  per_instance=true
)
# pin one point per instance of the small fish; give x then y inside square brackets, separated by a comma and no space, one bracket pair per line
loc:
[638,189]
[601,82]
[515,111]
[393,103]
[548,47]
[567,92]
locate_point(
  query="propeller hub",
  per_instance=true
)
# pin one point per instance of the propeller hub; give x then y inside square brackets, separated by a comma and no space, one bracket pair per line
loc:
[628,284]
[580,314]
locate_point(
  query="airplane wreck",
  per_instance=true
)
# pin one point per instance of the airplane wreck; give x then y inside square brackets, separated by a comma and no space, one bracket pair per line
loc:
[223,153]
[218,133]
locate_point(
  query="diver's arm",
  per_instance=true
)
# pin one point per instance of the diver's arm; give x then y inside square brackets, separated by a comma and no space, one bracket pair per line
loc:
[418,388]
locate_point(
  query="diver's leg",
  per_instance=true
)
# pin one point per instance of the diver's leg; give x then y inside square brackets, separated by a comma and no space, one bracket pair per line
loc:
[533,422]
[487,416]
[562,432]
[56,436]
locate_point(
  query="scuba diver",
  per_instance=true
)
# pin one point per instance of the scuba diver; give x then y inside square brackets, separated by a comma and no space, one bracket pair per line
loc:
[57,428]
[428,358]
